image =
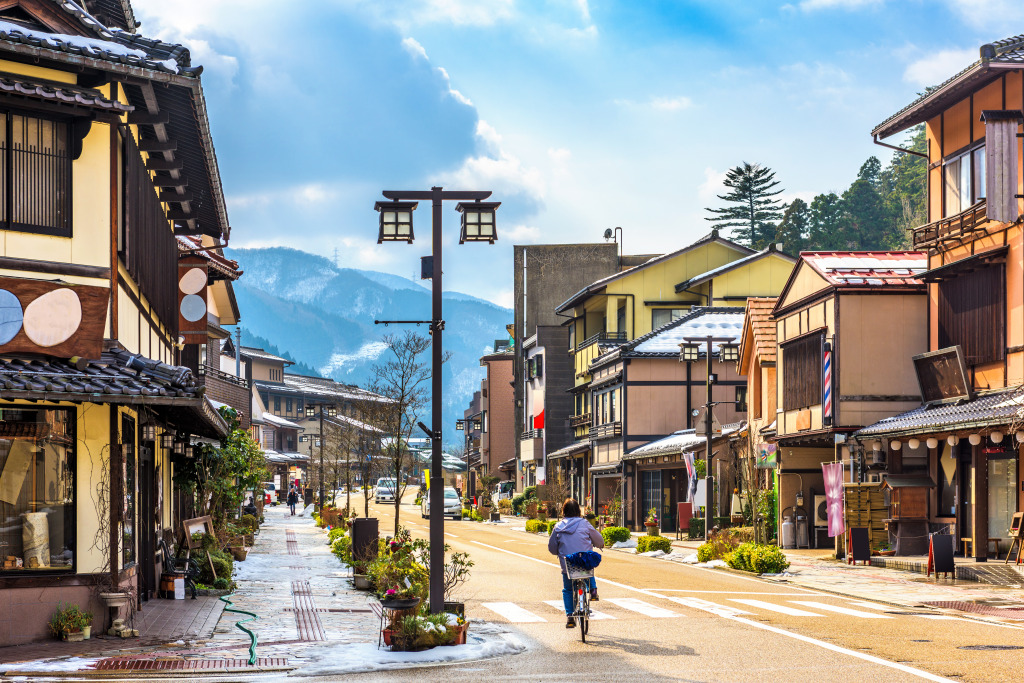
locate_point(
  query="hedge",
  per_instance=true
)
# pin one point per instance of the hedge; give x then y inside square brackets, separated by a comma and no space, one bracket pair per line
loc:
[760,559]
[615,534]
[646,544]
[535,526]
[551,525]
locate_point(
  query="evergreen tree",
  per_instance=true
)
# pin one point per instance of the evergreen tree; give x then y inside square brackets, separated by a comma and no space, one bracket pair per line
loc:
[868,222]
[793,230]
[825,223]
[904,187]
[754,212]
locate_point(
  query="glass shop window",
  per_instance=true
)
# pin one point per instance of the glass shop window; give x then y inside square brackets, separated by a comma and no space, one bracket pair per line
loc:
[37,489]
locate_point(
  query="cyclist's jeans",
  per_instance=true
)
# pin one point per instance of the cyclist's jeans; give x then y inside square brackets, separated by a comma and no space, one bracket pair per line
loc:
[567,592]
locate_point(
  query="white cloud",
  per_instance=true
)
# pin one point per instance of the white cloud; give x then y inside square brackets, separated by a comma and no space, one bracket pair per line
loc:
[521,234]
[810,5]
[303,195]
[560,155]
[708,191]
[991,15]
[671,103]
[497,169]
[504,298]
[459,97]
[938,66]
[414,48]
[584,9]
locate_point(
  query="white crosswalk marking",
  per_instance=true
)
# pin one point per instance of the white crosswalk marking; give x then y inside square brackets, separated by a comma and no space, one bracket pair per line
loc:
[841,610]
[708,606]
[513,612]
[645,608]
[781,609]
[594,614]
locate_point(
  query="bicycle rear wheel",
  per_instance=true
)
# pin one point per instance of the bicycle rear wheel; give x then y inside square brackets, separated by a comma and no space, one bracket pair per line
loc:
[582,591]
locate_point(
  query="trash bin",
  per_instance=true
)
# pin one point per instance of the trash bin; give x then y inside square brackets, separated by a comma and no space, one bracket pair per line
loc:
[364,538]
[307,497]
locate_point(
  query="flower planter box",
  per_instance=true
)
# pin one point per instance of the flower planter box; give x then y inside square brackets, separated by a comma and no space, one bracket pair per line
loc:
[74,636]
[460,639]
[361,582]
[239,553]
[114,600]
[652,528]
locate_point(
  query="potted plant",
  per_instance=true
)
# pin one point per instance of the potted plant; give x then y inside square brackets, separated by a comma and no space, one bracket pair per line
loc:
[86,624]
[67,621]
[652,522]
[399,598]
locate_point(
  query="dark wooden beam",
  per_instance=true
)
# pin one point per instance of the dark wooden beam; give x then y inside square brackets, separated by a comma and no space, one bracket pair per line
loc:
[173,215]
[164,165]
[164,181]
[175,197]
[54,267]
[144,118]
[158,146]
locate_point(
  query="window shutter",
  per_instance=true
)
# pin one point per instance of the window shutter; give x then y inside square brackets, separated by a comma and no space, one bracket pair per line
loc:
[1001,164]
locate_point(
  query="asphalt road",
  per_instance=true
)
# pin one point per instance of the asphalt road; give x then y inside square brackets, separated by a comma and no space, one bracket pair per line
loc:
[664,620]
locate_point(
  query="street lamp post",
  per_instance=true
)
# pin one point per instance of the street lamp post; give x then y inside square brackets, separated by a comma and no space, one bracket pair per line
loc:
[478,225]
[312,411]
[689,352]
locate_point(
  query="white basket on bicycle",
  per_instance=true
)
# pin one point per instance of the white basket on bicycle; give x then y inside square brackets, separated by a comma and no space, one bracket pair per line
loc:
[576,572]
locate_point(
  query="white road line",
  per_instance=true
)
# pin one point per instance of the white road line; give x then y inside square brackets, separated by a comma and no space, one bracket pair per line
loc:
[450,534]
[920,673]
[645,608]
[781,609]
[594,614]
[873,605]
[694,590]
[840,610]
[513,612]
[708,606]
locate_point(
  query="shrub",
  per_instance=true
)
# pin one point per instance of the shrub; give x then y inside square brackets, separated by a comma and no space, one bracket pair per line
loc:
[505,505]
[740,558]
[250,522]
[760,559]
[722,543]
[223,564]
[550,525]
[646,544]
[705,553]
[535,526]
[518,503]
[615,534]
[696,527]
[221,583]
[342,548]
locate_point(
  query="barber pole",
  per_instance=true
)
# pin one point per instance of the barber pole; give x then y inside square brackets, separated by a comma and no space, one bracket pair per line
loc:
[826,383]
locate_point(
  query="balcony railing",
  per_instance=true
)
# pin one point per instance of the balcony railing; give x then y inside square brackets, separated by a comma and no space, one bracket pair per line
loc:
[579,420]
[210,371]
[533,434]
[606,431]
[609,338]
[951,228]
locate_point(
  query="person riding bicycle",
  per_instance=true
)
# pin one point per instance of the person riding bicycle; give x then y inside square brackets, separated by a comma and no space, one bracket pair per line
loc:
[573,534]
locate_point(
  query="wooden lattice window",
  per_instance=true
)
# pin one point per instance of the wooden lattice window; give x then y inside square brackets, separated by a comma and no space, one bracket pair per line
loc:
[35,174]
[801,372]
[972,314]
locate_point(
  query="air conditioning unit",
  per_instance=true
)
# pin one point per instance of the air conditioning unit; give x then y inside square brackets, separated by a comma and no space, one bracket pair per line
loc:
[820,510]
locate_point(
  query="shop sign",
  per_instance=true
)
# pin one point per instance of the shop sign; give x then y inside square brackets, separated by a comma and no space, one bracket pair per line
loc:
[768,456]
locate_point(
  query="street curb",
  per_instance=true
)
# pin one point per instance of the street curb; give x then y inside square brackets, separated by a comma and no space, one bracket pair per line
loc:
[147,673]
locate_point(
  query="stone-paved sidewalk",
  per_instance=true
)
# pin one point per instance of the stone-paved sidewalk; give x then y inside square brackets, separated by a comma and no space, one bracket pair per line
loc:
[306,607]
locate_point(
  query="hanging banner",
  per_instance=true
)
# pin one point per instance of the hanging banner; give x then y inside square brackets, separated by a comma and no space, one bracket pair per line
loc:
[691,475]
[833,472]
[768,456]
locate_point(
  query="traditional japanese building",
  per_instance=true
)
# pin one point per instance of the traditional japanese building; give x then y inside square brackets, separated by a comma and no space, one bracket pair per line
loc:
[964,434]
[109,160]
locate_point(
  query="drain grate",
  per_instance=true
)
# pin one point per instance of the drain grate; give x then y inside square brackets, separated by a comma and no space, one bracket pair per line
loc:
[978,608]
[991,647]
[141,664]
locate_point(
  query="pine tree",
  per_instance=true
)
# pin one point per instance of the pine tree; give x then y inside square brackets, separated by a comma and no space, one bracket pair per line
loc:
[825,223]
[794,227]
[870,223]
[754,212]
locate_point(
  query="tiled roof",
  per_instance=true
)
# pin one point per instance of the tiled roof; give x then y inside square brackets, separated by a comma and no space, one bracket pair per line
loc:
[577,447]
[593,287]
[868,268]
[260,354]
[988,410]
[763,334]
[280,422]
[217,261]
[60,93]
[1008,52]
[303,385]
[117,378]
[732,265]
[678,442]
[699,322]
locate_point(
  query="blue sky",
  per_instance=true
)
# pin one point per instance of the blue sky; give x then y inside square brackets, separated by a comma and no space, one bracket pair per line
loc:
[580,115]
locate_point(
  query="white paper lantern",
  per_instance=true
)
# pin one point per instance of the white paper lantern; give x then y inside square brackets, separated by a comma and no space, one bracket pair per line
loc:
[895,444]
[975,439]
[876,445]
[932,442]
[1020,437]
[953,440]
[914,444]
[997,437]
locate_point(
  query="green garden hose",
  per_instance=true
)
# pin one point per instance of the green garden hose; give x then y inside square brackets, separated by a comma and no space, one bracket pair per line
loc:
[252,636]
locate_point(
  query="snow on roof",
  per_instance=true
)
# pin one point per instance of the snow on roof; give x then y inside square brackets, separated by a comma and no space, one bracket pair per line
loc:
[678,442]
[260,354]
[280,421]
[701,322]
[864,268]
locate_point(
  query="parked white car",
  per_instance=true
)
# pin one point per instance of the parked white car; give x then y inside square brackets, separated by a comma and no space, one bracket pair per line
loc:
[452,504]
[387,489]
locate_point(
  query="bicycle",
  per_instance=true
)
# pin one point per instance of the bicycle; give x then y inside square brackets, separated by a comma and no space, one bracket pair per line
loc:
[580,579]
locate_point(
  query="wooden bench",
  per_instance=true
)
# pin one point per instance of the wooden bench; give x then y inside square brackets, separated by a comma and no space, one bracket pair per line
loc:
[993,545]
[968,544]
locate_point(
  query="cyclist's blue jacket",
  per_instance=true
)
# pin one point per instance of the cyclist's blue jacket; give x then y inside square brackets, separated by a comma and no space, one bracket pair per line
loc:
[573,535]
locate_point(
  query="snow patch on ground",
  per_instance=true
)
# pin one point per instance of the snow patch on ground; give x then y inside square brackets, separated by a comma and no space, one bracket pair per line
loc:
[369,351]
[631,543]
[484,641]
[653,553]
[711,564]
[55,665]
[685,558]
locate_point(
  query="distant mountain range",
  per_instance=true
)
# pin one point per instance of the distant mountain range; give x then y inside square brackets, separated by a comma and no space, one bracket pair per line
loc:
[322,317]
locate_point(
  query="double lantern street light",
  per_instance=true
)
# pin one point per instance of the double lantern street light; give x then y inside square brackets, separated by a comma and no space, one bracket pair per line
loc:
[728,352]
[312,411]
[477,225]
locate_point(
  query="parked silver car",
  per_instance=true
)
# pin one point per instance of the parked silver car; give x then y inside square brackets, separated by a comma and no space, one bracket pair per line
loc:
[452,504]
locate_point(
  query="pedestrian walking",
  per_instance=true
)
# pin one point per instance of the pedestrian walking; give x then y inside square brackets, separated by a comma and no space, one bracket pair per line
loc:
[293,499]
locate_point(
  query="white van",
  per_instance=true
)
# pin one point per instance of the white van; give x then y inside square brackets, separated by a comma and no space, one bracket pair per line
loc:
[386,490]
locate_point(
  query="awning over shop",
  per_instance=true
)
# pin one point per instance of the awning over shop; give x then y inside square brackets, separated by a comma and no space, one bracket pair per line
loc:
[987,410]
[508,466]
[606,470]
[118,378]
[572,449]
[679,442]
[277,458]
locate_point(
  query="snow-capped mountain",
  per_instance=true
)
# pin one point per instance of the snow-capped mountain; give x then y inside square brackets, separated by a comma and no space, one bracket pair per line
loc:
[323,316]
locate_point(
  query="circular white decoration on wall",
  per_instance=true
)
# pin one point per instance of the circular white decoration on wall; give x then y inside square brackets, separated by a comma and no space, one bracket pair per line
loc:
[53,318]
[10,316]
[193,281]
[193,308]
